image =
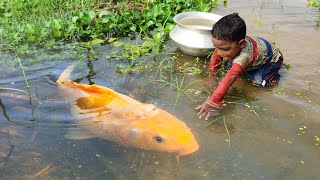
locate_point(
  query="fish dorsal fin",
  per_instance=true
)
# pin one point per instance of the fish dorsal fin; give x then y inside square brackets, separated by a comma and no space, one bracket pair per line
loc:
[65,76]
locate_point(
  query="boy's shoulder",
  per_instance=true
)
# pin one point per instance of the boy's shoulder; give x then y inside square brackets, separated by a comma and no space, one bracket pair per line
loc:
[243,58]
[249,49]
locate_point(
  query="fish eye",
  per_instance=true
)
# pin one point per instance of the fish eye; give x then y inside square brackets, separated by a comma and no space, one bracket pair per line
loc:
[158,139]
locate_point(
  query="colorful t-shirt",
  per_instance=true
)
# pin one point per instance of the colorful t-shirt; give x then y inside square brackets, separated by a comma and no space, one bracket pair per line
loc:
[243,58]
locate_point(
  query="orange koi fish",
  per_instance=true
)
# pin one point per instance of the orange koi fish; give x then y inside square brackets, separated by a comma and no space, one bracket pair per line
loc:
[117,117]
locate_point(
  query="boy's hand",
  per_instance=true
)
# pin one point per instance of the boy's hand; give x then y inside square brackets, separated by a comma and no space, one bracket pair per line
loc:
[207,111]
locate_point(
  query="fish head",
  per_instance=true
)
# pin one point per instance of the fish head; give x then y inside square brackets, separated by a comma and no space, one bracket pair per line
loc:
[158,130]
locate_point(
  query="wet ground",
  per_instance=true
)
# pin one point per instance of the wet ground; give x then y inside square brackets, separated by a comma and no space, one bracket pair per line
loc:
[271,133]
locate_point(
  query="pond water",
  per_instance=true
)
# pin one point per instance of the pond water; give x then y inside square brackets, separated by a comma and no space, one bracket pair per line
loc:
[272,132]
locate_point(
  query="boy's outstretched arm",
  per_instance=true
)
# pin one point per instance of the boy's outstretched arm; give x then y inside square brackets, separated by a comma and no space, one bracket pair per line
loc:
[208,108]
[215,62]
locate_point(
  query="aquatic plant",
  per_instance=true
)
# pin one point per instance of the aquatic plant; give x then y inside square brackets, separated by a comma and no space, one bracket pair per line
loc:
[38,21]
[27,87]
[315,3]
[165,77]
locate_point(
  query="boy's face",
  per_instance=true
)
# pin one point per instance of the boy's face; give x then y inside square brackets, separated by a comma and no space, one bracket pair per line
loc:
[228,49]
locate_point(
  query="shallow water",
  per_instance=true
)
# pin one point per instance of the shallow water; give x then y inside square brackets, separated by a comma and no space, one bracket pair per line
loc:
[271,131]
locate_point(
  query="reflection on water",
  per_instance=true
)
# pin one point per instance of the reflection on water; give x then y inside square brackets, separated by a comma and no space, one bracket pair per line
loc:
[271,132]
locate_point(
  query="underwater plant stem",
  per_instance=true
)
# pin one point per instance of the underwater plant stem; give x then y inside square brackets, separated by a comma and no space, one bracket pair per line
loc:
[13,89]
[4,112]
[214,120]
[225,125]
[27,86]
[251,109]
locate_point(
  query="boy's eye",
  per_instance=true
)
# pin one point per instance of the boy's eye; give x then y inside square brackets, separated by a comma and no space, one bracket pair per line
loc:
[225,49]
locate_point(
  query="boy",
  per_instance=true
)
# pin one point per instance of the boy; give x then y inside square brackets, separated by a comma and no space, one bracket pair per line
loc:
[256,58]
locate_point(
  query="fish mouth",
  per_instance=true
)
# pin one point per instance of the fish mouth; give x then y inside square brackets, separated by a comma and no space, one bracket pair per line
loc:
[188,150]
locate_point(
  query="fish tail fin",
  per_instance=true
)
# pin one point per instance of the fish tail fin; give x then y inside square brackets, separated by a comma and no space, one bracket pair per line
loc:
[65,75]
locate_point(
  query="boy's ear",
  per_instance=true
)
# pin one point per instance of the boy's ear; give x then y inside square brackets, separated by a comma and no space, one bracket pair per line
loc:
[242,43]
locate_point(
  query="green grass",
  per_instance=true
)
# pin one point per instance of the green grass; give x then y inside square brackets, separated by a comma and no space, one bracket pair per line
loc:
[37,21]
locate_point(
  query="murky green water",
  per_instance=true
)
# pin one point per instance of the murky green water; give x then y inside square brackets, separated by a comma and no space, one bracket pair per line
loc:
[271,131]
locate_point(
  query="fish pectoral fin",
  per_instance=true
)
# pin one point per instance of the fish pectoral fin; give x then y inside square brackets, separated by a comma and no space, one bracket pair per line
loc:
[91,102]
[78,133]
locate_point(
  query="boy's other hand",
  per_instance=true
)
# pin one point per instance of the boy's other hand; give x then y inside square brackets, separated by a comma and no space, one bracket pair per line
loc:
[207,111]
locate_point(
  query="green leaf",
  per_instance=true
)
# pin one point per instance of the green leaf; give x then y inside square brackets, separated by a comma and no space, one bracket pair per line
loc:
[117,44]
[135,12]
[29,28]
[169,27]
[56,24]
[91,14]
[148,44]
[133,28]
[204,8]
[7,15]
[287,66]
[105,20]
[75,18]
[103,12]
[149,23]
[97,41]
[158,36]
[112,39]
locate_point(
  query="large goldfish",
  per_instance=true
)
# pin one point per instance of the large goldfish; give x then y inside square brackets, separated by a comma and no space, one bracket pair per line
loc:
[117,117]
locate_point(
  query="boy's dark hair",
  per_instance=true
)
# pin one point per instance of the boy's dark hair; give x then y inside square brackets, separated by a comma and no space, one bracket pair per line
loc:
[230,27]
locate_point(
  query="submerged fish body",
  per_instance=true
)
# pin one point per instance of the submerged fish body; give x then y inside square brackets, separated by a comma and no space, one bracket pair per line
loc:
[107,114]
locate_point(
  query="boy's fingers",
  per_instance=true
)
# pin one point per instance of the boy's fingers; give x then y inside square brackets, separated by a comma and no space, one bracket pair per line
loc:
[208,116]
[202,113]
[199,106]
